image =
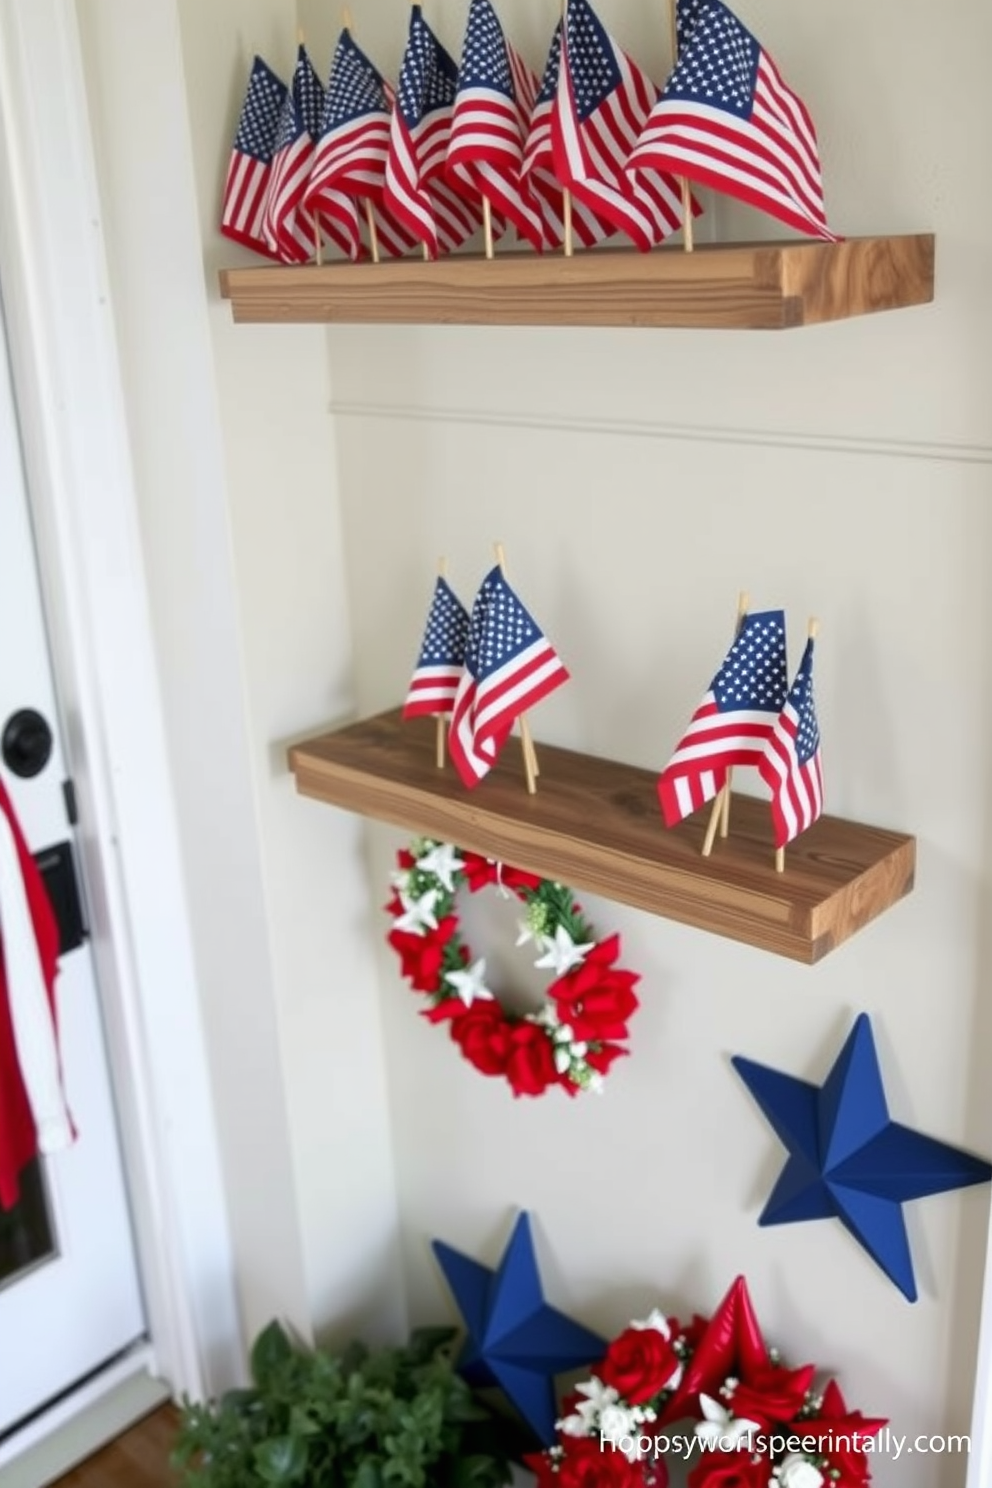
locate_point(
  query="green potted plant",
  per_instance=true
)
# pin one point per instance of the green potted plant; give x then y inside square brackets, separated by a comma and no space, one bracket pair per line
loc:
[385,1418]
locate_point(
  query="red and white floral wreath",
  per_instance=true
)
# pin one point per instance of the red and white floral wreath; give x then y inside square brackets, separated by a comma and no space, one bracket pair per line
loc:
[573,1039]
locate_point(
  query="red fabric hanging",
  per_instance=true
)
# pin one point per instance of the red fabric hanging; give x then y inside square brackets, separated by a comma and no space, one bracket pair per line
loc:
[18,1139]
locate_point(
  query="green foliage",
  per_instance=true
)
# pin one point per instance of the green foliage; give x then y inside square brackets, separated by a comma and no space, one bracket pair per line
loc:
[389,1418]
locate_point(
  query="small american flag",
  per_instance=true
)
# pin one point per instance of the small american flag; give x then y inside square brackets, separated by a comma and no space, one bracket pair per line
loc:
[350,158]
[540,187]
[493,106]
[290,228]
[604,100]
[442,656]
[429,206]
[727,119]
[734,721]
[510,665]
[250,167]
[791,765]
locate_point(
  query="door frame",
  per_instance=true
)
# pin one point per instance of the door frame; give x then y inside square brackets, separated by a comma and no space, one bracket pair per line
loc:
[74,430]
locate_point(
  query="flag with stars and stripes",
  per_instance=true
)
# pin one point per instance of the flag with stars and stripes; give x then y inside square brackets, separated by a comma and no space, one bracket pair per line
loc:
[791,765]
[350,158]
[493,106]
[727,119]
[250,168]
[510,665]
[539,185]
[603,103]
[290,228]
[442,656]
[734,721]
[417,191]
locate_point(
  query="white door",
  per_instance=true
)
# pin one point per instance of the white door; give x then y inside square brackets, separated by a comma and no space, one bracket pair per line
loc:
[69,1294]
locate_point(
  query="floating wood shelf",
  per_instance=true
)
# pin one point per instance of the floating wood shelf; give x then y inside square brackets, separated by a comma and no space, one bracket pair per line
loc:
[597,826]
[759,286]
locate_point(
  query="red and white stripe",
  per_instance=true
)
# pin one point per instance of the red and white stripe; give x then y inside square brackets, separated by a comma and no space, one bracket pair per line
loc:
[544,195]
[433,689]
[486,150]
[350,162]
[697,771]
[416,192]
[797,789]
[484,712]
[590,156]
[289,226]
[770,160]
[245,191]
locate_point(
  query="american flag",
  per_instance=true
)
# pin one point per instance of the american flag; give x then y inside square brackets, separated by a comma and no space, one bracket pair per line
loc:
[428,205]
[791,765]
[250,167]
[493,105]
[734,721]
[289,227]
[604,100]
[442,656]
[510,665]
[539,186]
[350,158]
[727,119]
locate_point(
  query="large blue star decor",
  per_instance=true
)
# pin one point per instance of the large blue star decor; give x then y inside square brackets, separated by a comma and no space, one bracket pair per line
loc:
[848,1159]
[515,1340]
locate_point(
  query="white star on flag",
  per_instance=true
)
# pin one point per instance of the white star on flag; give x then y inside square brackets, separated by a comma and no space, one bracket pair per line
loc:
[443,861]
[470,985]
[418,914]
[561,954]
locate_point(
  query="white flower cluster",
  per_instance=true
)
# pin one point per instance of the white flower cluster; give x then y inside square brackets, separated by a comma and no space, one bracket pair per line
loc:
[569,1052]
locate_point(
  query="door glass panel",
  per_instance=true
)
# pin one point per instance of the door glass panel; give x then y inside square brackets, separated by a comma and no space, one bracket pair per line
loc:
[26,1236]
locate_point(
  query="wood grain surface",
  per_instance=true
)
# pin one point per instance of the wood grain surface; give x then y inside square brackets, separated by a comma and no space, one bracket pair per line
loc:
[596,825]
[138,1459]
[759,286]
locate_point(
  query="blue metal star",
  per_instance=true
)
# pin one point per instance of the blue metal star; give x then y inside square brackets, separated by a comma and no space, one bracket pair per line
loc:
[515,1340]
[848,1159]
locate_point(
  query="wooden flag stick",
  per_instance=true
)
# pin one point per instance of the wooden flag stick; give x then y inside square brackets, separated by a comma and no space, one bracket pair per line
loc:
[687,239]
[487,223]
[346,19]
[720,813]
[812,631]
[373,234]
[526,742]
[566,198]
[442,568]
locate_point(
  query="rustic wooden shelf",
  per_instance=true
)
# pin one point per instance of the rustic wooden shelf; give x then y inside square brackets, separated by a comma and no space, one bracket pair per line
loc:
[759,286]
[596,825]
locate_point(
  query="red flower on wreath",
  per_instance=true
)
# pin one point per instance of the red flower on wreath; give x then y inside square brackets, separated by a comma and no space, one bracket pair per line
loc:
[639,1364]
[772,1394]
[572,1041]
[842,1434]
[585,1464]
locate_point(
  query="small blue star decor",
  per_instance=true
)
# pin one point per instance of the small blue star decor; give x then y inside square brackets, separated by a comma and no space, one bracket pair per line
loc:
[848,1159]
[515,1340]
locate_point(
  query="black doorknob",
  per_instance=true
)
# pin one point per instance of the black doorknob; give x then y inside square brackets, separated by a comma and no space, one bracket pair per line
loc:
[26,744]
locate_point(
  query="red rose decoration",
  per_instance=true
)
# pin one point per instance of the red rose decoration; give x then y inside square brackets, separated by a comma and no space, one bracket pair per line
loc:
[639,1364]
[842,1433]
[422,956]
[772,1394]
[730,1470]
[484,1037]
[530,1068]
[596,999]
[587,1465]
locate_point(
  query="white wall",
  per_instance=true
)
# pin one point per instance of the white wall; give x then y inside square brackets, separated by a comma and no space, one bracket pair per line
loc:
[638,479]
[235,466]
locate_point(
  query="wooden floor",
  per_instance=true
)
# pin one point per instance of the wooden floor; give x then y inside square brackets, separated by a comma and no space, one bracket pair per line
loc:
[139,1459]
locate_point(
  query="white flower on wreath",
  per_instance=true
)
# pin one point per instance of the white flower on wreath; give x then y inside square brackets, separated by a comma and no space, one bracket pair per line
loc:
[722,1431]
[443,861]
[598,1397]
[561,953]
[796,1471]
[418,914]
[470,985]
[617,1423]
